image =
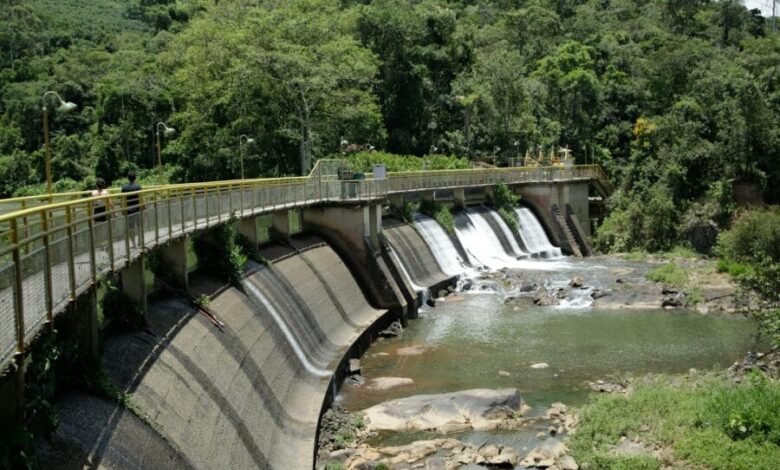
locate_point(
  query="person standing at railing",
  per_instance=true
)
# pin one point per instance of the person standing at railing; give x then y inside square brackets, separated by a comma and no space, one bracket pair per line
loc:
[100,211]
[100,206]
[132,205]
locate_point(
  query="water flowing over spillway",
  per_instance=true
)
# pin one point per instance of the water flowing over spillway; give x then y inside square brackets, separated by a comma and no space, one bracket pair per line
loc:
[255,294]
[533,236]
[480,242]
[443,250]
[507,234]
[406,275]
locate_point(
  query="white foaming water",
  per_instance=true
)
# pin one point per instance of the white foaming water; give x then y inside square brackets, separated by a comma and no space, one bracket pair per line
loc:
[533,236]
[578,298]
[481,244]
[507,233]
[443,250]
[259,296]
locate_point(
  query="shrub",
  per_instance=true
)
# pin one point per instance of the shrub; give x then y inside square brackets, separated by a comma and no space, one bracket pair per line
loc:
[220,248]
[125,313]
[504,202]
[747,411]
[639,221]
[755,235]
[407,212]
[364,161]
[751,251]
[734,268]
[440,213]
[670,273]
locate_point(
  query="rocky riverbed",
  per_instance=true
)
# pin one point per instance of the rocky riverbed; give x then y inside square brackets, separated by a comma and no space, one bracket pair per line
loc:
[612,287]
[555,334]
[447,414]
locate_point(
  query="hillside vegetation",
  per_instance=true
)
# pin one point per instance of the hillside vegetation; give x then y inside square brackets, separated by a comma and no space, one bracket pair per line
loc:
[678,100]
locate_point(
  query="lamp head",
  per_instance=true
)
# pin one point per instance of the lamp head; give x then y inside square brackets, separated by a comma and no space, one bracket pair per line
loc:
[66,106]
[169,131]
[250,140]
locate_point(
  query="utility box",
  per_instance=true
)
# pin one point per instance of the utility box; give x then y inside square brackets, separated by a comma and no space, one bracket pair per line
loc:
[379,172]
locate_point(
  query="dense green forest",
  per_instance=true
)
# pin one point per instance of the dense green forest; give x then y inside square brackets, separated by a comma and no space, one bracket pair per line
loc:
[679,100]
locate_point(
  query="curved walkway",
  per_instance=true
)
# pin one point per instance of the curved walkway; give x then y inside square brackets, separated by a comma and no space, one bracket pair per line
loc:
[51,253]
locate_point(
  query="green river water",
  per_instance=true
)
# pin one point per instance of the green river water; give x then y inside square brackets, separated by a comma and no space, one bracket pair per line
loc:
[467,339]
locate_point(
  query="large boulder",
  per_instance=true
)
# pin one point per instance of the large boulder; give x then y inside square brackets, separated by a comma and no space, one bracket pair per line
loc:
[480,409]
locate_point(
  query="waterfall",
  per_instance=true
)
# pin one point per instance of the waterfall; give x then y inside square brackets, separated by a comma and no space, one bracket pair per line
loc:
[510,237]
[441,245]
[256,295]
[533,236]
[481,244]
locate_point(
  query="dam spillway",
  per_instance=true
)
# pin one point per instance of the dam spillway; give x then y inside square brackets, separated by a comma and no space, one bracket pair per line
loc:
[250,394]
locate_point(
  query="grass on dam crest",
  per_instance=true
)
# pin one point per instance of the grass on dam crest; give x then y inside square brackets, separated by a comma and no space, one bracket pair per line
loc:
[698,421]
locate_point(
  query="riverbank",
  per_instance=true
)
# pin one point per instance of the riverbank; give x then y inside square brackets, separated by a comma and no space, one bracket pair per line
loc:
[728,420]
[719,420]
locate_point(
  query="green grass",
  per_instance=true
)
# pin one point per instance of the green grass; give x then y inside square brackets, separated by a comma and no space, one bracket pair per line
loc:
[670,273]
[682,251]
[695,418]
[635,255]
[695,296]
[734,268]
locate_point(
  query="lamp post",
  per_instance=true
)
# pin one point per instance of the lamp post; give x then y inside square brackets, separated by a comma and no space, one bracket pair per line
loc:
[64,107]
[167,132]
[243,138]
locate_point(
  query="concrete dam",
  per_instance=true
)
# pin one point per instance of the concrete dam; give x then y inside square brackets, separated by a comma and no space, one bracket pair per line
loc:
[250,393]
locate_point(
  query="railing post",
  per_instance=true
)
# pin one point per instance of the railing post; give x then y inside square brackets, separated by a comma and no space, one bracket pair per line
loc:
[206,203]
[156,219]
[127,229]
[109,217]
[181,208]
[26,229]
[141,228]
[91,228]
[71,257]
[219,204]
[194,209]
[170,214]
[47,267]
[18,288]
[240,199]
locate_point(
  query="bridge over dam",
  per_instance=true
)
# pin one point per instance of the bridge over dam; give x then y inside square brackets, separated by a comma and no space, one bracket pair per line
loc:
[243,382]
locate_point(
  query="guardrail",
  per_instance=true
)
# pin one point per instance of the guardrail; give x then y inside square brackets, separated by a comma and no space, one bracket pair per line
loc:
[51,253]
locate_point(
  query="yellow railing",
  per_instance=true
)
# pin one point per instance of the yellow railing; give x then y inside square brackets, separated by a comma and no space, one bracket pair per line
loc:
[52,251]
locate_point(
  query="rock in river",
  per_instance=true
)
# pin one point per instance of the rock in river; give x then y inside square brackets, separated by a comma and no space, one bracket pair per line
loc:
[480,409]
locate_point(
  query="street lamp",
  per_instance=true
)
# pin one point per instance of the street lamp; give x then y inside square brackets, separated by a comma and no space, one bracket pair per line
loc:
[64,107]
[167,132]
[243,138]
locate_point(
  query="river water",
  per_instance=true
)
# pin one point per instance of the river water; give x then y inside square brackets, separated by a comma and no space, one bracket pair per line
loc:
[473,339]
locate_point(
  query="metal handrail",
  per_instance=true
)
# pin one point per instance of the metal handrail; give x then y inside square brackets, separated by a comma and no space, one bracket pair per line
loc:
[50,253]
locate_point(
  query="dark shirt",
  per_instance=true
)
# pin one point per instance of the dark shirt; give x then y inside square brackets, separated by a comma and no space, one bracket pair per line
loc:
[132,200]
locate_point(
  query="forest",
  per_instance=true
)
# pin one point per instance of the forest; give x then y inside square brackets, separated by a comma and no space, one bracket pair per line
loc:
[678,100]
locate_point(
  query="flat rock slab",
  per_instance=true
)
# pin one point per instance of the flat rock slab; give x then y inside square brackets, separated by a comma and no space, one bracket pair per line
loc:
[386,383]
[414,350]
[480,409]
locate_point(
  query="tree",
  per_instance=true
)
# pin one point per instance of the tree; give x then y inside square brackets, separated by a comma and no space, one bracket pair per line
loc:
[291,76]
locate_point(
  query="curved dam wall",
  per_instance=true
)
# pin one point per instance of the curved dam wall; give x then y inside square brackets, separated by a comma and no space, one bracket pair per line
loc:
[415,254]
[246,395]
